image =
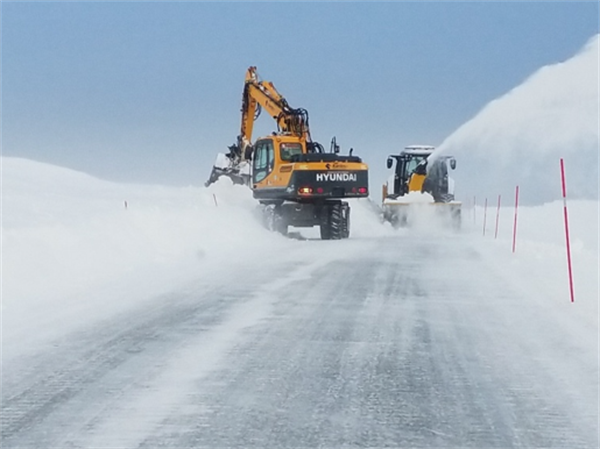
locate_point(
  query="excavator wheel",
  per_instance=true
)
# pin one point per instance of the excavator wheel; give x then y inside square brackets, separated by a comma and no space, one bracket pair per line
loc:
[325,226]
[332,222]
[345,220]
[274,220]
[280,225]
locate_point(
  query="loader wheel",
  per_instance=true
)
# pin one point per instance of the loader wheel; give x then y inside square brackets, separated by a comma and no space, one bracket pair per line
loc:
[399,220]
[456,219]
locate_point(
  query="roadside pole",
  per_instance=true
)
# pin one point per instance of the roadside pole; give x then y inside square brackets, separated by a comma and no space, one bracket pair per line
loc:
[514,241]
[484,216]
[497,217]
[566,216]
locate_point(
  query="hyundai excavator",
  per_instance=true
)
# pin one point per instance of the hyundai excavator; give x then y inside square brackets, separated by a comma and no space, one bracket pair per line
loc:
[296,182]
[415,174]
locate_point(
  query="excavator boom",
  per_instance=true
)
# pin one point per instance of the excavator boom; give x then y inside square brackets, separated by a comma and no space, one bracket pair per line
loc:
[262,95]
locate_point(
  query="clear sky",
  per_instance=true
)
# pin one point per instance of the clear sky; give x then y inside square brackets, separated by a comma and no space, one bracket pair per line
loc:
[149,92]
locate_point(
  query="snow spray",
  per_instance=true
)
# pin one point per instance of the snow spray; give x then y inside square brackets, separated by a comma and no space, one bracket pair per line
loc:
[564,195]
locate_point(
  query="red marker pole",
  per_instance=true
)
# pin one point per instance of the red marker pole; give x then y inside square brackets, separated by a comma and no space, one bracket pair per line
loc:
[564,194]
[514,242]
[484,216]
[497,217]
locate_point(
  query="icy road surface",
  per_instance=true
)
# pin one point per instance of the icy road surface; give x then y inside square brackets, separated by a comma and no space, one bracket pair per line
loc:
[389,342]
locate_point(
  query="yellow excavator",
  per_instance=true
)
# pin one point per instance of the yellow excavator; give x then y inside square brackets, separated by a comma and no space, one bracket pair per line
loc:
[296,182]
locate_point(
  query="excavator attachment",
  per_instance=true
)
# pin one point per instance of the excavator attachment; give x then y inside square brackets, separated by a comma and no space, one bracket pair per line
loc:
[232,166]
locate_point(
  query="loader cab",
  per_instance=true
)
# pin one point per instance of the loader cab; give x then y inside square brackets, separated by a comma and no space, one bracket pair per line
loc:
[407,164]
[438,182]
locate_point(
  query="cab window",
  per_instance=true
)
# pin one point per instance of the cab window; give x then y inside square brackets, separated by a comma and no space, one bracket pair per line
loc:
[287,150]
[413,163]
[263,160]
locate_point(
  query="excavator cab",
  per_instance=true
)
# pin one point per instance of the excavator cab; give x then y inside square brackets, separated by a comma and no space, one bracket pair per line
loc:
[290,149]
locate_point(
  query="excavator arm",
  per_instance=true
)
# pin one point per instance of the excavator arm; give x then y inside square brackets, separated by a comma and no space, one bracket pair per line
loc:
[259,95]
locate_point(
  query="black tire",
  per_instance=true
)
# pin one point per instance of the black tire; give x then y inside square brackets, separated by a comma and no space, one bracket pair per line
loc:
[331,222]
[399,219]
[336,221]
[456,219]
[274,220]
[345,220]
[325,224]
[280,225]
[396,221]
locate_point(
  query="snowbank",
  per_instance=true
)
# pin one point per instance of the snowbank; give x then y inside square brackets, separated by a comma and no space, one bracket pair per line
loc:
[76,248]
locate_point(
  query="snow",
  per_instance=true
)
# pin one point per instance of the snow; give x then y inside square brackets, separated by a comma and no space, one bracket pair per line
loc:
[410,197]
[74,253]
[68,238]
[77,250]
[520,137]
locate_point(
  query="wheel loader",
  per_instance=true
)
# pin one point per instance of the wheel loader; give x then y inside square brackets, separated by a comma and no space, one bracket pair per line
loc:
[416,181]
[296,182]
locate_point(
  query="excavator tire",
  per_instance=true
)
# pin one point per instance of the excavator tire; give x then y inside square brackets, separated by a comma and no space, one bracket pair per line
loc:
[274,219]
[345,220]
[280,225]
[325,226]
[332,222]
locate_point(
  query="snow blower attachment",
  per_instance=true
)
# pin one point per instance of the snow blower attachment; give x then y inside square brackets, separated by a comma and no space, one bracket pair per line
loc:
[296,182]
[417,181]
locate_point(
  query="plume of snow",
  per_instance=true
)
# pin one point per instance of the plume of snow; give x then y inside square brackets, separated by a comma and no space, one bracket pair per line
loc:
[519,138]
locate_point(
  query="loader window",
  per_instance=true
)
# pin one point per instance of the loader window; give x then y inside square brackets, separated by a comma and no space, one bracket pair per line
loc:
[413,163]
[263,160]
[288,150]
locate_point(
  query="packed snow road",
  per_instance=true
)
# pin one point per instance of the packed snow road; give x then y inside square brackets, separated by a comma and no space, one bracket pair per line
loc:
[389,342]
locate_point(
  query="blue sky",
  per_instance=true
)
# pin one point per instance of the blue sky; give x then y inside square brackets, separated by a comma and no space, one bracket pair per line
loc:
[149,92]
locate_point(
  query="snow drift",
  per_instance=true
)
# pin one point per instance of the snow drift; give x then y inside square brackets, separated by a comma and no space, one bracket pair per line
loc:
[77,248]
